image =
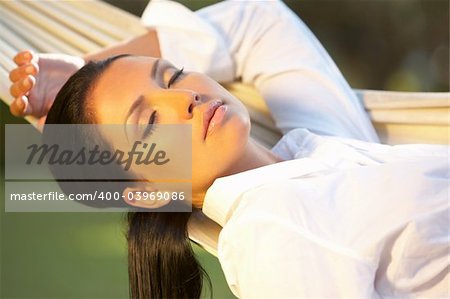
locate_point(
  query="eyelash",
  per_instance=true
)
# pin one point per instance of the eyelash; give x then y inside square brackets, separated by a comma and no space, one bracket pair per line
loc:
[152,121]
[154,116]
[175,77]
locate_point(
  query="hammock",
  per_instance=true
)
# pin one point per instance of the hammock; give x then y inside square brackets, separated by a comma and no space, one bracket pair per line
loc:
[78,27]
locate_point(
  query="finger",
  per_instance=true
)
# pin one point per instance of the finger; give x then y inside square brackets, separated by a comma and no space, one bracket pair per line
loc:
[23,57]
[18,106]
[21,87]
[28,109]
[23,70]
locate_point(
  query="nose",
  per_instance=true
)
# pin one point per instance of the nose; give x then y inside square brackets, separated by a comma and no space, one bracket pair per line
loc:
[193,101]
[182,101]
[188,100]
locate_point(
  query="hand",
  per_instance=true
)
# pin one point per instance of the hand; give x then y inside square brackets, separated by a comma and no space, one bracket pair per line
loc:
[37,79]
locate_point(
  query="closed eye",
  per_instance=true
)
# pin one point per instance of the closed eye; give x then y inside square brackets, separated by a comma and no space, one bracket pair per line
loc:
[175,77]
[151,125]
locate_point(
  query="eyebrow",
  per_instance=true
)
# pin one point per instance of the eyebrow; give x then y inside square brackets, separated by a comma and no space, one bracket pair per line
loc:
[155,68]
[140,98]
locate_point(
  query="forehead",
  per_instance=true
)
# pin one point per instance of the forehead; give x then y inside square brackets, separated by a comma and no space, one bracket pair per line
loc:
[118,87]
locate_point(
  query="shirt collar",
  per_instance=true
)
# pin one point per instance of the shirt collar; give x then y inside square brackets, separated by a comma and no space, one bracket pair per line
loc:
[223,196]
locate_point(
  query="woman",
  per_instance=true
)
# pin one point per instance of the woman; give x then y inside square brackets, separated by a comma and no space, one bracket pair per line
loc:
[316,216]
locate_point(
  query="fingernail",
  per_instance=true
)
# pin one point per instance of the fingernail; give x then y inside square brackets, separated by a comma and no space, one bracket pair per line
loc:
[26,83]
[29,69]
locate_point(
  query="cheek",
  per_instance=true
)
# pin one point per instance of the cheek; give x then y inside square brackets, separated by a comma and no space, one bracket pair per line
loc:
[167,114]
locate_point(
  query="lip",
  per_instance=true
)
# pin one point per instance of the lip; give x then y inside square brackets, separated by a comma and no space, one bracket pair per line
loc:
[208,116]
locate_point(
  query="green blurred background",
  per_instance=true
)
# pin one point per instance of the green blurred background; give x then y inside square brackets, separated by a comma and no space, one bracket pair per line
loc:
[391,45]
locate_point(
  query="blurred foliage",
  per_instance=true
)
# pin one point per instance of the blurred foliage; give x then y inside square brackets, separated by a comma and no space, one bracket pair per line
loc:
[378,44]
[387,44]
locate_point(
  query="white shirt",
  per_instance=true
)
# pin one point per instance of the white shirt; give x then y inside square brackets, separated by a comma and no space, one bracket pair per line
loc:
[340,218]
[344,218]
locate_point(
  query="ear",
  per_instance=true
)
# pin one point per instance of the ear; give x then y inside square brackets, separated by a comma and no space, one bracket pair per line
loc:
[145,197]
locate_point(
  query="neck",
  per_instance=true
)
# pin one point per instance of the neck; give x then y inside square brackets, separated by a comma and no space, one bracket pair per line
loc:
[254,156]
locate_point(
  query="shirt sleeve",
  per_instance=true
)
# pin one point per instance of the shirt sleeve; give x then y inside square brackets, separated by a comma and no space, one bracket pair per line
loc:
[188,40]
[265,44]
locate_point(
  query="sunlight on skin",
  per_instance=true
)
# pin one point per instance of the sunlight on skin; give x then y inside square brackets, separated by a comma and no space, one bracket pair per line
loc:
[185,102]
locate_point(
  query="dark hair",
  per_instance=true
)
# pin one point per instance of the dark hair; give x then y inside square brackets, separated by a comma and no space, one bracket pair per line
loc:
[161,262]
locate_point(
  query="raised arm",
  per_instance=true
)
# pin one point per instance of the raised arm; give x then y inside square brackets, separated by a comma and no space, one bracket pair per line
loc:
[143,45]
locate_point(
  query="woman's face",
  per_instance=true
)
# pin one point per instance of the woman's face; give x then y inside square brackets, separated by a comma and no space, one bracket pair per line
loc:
[141,90]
